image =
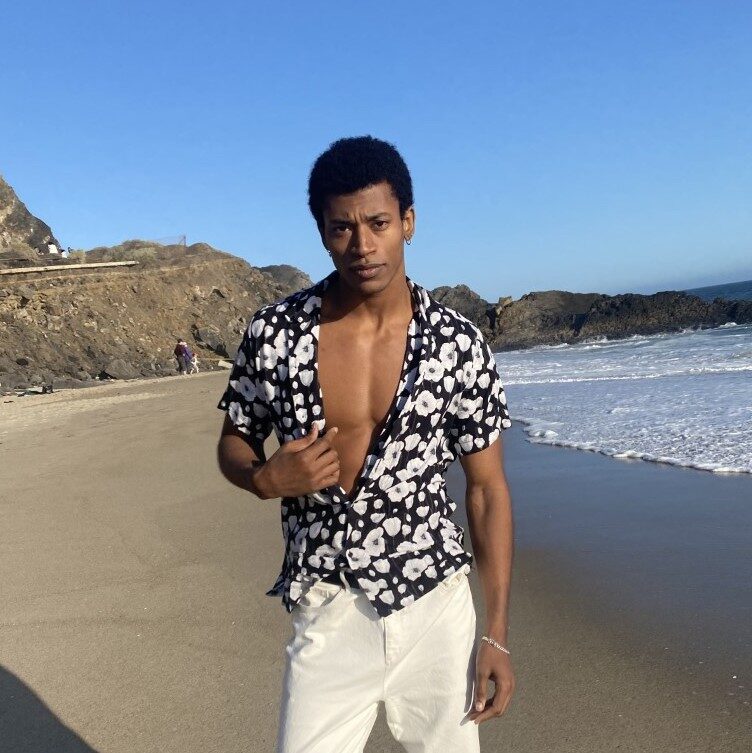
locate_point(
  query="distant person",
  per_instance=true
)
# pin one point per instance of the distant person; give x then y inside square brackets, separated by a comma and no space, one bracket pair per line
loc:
[373,388]
[182,356]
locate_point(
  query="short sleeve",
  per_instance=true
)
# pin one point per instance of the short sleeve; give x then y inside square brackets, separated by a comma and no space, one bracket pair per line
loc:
[245,399]
[482,407]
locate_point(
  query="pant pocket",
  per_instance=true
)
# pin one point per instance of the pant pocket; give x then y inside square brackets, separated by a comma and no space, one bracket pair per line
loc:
[453,581]
[318,595]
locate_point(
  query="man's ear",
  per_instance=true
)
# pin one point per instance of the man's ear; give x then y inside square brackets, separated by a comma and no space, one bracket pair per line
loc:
[408,222]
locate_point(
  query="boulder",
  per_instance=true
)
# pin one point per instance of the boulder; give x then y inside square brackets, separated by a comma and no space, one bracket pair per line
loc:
[209,337]
[119,369]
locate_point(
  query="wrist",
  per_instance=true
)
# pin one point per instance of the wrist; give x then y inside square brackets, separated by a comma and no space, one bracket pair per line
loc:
[497,631]
[496,644]
[258,481]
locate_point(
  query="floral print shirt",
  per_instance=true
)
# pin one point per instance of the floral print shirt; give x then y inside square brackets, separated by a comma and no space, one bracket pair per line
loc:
[394,532]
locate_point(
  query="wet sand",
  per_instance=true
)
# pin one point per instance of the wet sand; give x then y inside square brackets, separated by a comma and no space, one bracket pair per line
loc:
[133,579]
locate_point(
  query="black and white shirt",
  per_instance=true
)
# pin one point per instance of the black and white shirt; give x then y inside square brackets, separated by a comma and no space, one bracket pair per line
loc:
[395,533]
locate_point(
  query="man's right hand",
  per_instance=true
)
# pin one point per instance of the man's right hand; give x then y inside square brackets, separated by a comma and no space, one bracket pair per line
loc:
[300,466]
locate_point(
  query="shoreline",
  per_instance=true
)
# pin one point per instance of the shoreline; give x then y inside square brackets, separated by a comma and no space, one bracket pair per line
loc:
[135,615]
[629,455]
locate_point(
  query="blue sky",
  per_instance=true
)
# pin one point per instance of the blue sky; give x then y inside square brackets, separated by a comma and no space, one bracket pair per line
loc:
[587,146]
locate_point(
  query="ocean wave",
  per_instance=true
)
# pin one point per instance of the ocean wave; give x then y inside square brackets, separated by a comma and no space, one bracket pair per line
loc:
[538,434]
[687,371]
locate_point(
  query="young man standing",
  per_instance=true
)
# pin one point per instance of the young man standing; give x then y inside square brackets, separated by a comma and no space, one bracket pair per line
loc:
[373,388]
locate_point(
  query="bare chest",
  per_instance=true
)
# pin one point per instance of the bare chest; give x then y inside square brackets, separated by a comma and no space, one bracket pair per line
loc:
[359,376]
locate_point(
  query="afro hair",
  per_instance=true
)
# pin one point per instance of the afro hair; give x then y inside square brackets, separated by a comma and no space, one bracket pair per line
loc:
[351,164]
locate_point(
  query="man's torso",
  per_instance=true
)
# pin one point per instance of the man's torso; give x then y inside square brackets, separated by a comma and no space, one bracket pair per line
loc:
[359,371]
[394,531]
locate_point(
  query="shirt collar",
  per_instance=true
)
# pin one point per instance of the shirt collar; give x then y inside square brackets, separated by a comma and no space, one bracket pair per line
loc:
[423,303]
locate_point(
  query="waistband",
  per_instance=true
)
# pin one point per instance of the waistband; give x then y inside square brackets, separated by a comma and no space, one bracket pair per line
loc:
[341,577]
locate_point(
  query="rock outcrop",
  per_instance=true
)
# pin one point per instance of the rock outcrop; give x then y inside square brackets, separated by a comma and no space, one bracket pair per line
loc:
[554,316]
[20,230]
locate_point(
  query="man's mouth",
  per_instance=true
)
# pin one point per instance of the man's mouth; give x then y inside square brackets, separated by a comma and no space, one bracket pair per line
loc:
[366,271]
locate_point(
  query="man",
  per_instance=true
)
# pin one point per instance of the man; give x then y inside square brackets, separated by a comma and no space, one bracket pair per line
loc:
[373,388]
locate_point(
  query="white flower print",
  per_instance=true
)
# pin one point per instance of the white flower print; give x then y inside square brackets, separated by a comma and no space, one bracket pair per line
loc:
[431,369]
[414,467]
[280,344]
[304,349]
[373,543]
[235,412]
[447,355]
[373,587]
[421,537]
[468,407]
[425,403]
[392,526]
[358,558]
[411,441]
[466,442]
[245,387]
[413,568]
[463,341]
[393,454]
[268,356]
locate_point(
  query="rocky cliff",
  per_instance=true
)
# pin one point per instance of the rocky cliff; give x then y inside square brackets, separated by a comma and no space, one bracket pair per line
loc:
[74,327]
[554,316]
[20,230]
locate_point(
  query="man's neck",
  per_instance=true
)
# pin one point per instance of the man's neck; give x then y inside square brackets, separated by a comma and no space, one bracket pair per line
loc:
[394,302]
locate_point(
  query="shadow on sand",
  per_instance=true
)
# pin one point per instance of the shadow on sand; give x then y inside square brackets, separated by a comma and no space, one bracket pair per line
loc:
[28,726]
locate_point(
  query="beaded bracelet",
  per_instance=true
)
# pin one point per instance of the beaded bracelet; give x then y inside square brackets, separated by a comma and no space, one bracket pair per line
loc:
[494,643]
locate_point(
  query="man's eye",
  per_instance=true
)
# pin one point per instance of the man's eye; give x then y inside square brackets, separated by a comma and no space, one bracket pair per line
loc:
[380,224]
[338,230]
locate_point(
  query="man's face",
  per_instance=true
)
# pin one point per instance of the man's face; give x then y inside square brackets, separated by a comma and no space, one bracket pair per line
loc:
[364,233]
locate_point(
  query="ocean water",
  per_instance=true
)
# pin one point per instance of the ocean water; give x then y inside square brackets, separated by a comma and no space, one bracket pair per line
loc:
[730,291]
[681,398]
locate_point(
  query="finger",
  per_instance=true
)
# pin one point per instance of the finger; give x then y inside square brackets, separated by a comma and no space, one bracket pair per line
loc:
[481,691]
[329,471]
[327,481]
[497,705]
[323,443]
[301,443]
[326,458]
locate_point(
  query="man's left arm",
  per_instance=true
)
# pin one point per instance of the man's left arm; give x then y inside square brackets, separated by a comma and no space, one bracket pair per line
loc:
[489,512]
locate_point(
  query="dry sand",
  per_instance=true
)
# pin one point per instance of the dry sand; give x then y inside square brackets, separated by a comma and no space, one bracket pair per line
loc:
[133,577]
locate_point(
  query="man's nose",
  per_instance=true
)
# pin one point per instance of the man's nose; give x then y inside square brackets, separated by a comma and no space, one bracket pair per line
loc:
[363,240]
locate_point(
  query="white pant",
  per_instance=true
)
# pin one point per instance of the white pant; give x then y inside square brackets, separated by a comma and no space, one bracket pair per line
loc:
[343,659]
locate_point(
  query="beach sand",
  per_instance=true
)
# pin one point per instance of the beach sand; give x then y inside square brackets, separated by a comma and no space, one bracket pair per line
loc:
[133,575]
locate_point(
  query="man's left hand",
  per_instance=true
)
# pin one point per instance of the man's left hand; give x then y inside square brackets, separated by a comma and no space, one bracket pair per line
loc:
[491,664]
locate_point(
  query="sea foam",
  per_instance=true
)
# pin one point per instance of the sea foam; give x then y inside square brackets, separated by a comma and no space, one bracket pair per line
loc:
[683,398]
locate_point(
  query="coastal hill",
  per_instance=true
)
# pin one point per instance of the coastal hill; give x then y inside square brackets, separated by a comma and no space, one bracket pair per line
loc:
[71,325]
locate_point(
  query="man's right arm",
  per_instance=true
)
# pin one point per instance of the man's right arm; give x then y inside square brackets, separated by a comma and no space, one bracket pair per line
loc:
[298,467]
[237,460]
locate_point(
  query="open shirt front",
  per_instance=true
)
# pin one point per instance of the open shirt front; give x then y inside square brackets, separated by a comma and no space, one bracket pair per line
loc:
[395,533]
